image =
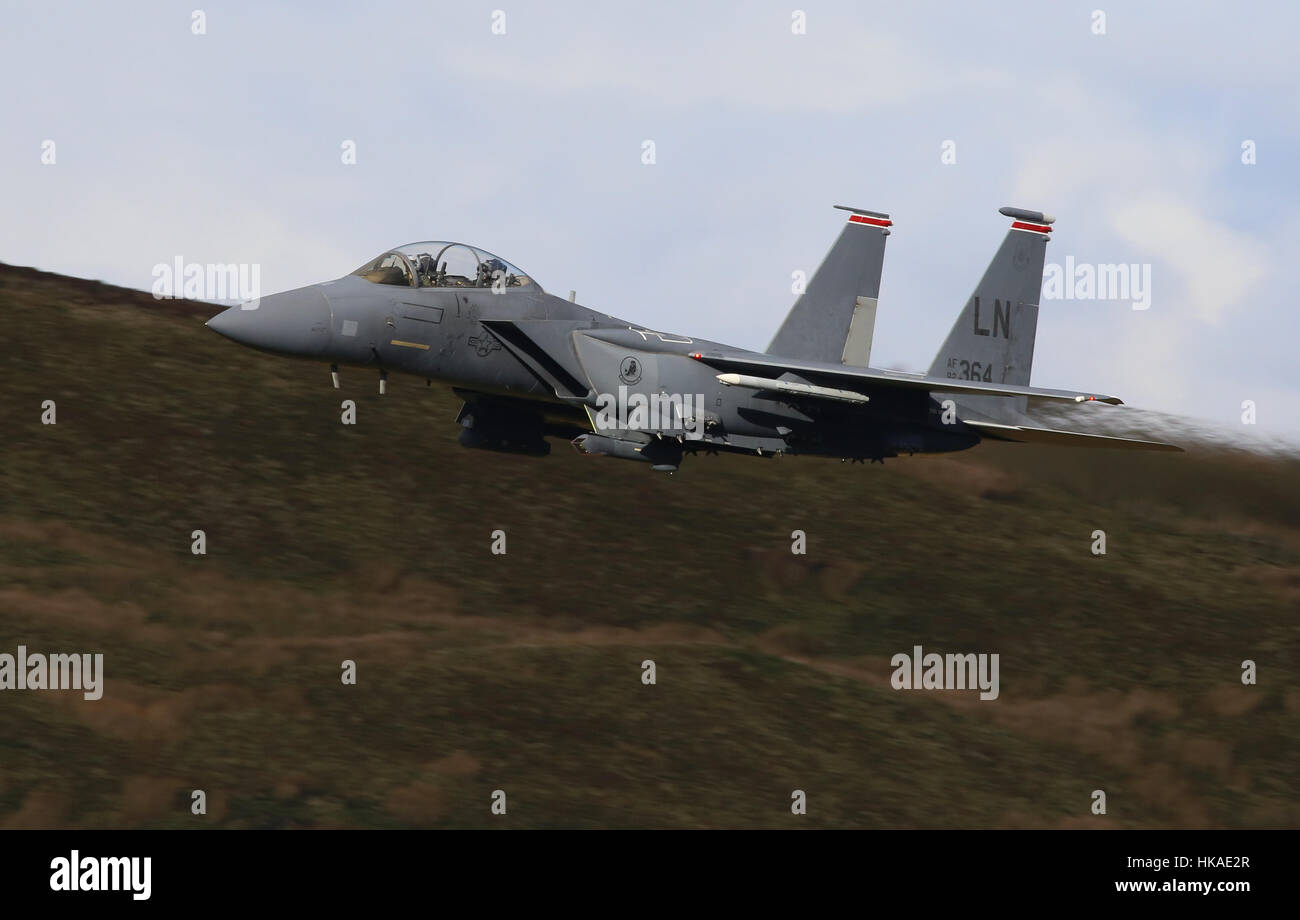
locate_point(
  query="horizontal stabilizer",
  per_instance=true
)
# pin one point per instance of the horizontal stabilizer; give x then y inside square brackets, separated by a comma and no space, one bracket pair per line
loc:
[1025,434]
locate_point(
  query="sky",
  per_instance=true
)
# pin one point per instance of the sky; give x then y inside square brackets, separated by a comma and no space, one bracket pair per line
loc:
[1162,135]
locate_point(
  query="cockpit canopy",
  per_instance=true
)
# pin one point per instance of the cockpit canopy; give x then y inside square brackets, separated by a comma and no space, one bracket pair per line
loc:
[444,265]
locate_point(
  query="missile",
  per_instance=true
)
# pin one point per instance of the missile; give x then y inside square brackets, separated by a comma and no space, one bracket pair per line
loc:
[791,386]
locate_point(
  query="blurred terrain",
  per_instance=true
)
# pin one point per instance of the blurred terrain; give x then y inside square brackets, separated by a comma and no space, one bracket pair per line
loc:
[521,672]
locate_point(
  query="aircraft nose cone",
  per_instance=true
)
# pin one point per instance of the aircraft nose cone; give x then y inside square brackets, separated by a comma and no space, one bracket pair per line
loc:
[228,323]
[295,322]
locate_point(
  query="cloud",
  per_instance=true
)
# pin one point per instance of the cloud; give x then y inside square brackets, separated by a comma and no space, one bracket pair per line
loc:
[1214,268]
[754,62]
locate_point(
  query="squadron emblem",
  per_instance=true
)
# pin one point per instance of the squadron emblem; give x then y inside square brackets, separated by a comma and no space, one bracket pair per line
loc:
[630,370]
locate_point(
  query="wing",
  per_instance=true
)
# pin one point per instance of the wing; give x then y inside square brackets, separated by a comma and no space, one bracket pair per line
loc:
[861,380]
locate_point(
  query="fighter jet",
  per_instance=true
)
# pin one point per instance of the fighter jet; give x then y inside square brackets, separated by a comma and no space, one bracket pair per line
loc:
[530,366]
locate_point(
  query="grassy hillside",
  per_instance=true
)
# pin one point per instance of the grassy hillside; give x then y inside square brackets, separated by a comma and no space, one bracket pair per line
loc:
[522,672]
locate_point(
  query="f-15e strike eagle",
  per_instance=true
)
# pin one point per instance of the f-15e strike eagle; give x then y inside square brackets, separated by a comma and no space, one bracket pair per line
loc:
[530,365]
